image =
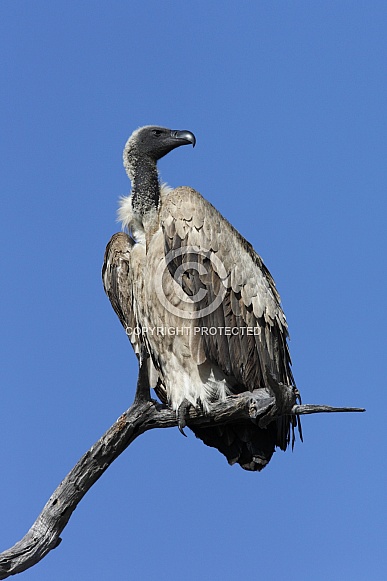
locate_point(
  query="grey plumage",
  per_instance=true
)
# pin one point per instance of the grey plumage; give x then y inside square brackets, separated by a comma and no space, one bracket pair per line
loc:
[183,266]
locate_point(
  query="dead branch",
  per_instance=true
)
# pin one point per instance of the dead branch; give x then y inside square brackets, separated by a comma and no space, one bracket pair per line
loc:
[145,414]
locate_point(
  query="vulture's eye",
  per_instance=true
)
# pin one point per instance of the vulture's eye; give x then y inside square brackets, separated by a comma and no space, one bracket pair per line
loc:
[156,132]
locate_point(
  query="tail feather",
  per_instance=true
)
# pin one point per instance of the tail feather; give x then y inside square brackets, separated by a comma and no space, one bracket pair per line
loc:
[243,443]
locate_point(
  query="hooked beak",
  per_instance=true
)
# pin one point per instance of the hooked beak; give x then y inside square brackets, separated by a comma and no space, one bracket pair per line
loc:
[185,136]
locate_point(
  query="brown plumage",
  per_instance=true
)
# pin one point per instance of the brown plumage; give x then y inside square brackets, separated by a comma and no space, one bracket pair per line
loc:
[183,266]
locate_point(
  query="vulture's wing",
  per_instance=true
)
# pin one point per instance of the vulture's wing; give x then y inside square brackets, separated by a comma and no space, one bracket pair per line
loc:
[119,281]
[118,284]
[244,330]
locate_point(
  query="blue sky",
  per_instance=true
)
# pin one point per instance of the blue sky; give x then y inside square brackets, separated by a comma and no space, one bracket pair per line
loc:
[287,100]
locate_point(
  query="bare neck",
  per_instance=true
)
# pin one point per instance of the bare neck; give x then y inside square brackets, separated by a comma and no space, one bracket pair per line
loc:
[145,186]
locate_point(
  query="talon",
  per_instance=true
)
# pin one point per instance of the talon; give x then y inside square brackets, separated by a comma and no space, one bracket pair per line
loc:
[181,425]
[180,416]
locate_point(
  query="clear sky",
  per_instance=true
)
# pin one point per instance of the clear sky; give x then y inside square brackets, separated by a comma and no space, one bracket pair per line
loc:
[287,100]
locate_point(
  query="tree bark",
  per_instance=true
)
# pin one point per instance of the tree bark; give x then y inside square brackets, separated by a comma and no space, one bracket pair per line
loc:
[145,414]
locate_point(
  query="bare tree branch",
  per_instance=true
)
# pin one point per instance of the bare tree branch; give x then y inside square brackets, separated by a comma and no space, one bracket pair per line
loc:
[143,415]
[307,409]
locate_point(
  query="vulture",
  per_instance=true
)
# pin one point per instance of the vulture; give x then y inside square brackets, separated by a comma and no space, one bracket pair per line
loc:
[194,296]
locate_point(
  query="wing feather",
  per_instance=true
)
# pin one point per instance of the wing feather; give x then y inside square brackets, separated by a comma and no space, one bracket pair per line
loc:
[251,329]
[119,281]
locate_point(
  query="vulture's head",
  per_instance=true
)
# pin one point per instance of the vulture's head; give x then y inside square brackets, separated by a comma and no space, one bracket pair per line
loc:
[152,143]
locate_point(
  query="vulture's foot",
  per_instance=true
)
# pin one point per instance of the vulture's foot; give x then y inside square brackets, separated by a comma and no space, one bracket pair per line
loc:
[143,391]
[181,413]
